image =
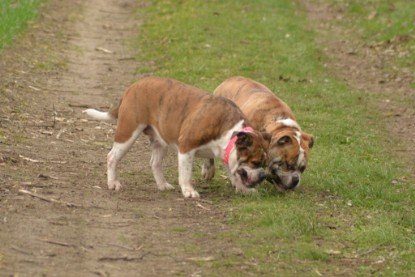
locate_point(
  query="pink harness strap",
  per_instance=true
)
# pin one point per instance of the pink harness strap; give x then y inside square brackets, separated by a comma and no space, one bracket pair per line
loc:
[231,144]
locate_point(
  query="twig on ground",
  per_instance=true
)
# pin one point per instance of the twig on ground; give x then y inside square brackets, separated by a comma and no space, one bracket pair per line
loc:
[205,201]
[123,258]
[85,106]
[61,131]
[34,88]
[40,161]
[125,247]
[54,116]
[29,159]
[102,49]
[49,199]
[45,177]
[132,259]
[57,242]
[202,207]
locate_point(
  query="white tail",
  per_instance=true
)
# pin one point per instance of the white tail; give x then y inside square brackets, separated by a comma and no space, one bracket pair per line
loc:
[103,116]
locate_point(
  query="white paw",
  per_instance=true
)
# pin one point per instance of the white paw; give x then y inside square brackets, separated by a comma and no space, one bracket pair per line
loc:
[165,186]
[208,172]
[190,193]
[114,185]
[245,190]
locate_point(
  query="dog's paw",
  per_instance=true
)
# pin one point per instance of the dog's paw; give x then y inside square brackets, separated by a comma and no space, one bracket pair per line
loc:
[245,190]
[208,171]
[165,186]
[190,193]
[114,185]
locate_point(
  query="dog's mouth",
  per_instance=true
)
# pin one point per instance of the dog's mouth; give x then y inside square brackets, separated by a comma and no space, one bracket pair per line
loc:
[247,181]
[279,184]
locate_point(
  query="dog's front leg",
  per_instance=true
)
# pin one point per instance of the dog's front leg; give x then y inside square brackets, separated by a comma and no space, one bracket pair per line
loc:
[185,174]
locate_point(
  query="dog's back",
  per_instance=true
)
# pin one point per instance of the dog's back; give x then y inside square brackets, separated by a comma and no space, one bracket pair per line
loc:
[255,100]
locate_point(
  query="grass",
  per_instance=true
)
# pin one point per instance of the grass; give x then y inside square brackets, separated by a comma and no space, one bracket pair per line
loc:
[353,214]
[387,25]
[14,17]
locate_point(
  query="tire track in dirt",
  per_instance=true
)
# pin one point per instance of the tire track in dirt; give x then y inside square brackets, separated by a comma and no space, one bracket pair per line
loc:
[49,149]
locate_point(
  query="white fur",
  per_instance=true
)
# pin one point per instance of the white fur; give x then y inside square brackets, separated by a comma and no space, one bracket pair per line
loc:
[185,174]
[301,157]
[216,148]
[95,114]
[117,152]
[289,122]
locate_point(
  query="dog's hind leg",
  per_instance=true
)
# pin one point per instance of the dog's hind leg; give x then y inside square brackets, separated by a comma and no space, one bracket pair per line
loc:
[208,169]
[185,174]
[156,162]
[118,151]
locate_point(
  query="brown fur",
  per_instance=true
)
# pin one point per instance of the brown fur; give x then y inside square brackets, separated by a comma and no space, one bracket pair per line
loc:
[263,109]
[180,108]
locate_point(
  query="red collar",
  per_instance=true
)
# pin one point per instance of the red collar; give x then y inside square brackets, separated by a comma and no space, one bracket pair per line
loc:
[231,144]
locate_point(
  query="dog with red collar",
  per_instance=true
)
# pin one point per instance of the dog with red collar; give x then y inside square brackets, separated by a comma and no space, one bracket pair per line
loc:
[289,148]
[194,122]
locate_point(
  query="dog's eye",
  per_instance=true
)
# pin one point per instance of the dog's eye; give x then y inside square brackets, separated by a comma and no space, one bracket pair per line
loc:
[302,168]
[290,167]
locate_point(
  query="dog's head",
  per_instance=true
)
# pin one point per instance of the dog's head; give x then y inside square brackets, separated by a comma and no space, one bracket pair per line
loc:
[251,157]
[288,157]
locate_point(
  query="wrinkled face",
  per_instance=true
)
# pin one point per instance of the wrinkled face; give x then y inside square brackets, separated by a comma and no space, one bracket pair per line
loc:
[252,157]
[288,156]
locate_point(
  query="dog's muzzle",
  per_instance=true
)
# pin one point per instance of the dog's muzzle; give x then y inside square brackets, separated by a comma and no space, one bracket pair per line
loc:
[251,181]
[276,180]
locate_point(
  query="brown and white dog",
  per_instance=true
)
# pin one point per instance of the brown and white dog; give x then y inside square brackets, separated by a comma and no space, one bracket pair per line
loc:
[172,113]
[289,148]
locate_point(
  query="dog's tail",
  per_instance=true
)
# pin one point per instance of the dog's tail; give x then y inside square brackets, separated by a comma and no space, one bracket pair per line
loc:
[111,115]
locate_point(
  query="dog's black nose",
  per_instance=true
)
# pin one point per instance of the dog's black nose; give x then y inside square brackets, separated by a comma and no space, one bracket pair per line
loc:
[295,180]
[262,176]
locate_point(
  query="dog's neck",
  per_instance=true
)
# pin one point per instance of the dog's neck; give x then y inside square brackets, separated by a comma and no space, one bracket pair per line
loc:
[231,145]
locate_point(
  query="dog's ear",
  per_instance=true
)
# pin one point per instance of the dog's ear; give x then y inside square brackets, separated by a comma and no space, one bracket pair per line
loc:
[244,140]
[284,140]
[308,139]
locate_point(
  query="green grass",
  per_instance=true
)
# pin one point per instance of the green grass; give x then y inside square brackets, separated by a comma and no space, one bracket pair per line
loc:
[349,216]
[14,16]
[384,24]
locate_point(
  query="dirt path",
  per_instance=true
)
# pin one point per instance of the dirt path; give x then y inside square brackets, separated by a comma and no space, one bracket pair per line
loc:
[76,56]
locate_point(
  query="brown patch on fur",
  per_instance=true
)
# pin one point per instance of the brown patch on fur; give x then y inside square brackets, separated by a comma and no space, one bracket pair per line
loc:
[251,148]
